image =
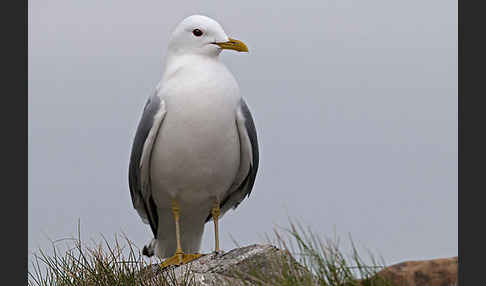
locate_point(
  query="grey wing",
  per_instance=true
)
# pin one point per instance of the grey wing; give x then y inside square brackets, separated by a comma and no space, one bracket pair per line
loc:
[139,167]
[249,158]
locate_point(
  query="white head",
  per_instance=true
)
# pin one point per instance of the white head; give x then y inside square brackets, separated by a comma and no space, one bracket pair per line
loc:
[202,35]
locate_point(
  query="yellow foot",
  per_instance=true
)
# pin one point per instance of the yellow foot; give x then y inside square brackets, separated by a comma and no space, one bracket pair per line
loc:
[179,259]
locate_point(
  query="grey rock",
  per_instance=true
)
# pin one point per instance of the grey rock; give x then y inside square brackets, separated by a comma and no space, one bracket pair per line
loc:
[240,266]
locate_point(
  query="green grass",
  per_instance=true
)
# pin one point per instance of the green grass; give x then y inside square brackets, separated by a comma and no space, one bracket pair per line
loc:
[106,263]
[121,263]
[325,260]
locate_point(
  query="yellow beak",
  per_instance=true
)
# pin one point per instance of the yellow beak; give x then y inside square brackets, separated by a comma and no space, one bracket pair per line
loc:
[233,44]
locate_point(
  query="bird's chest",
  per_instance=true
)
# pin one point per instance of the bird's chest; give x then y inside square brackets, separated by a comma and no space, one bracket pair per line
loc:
[199,123]
[197,149]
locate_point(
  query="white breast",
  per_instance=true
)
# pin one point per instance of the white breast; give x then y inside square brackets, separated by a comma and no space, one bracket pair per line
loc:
[197,151]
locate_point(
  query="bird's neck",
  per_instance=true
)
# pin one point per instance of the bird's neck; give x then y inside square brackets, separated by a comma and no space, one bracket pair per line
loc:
[175,63]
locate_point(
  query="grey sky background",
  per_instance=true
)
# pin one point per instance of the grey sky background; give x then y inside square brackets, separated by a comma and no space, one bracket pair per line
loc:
[355,104]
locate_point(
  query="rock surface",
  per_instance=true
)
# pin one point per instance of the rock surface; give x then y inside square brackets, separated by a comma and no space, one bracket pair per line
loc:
[242,266]
[236,267]
[435,272]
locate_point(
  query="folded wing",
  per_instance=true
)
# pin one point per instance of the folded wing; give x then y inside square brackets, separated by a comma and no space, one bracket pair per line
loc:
[249,158]
[139,168]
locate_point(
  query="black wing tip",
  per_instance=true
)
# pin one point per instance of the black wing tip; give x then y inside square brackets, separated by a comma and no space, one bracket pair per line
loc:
[147,251]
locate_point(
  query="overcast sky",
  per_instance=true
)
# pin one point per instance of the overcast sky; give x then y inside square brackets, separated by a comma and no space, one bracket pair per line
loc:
[355,104]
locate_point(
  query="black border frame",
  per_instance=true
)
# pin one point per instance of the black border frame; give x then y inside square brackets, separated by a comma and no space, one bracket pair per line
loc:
[470,147]
[14,210]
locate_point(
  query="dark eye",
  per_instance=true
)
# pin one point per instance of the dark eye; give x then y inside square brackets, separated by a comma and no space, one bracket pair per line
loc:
[197,32]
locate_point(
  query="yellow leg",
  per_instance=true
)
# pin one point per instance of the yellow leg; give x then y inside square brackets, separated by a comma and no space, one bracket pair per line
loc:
[215,213]
[176,213]
[179,257]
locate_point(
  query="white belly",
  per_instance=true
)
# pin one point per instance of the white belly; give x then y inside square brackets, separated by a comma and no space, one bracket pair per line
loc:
[197,152]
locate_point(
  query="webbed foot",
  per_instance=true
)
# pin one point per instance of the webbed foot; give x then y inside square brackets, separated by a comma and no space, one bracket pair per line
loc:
[180,258]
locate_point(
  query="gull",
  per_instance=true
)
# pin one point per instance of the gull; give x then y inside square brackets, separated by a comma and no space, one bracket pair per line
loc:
[195,152]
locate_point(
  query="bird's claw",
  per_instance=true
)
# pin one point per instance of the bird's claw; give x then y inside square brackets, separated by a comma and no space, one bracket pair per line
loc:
[218,253]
